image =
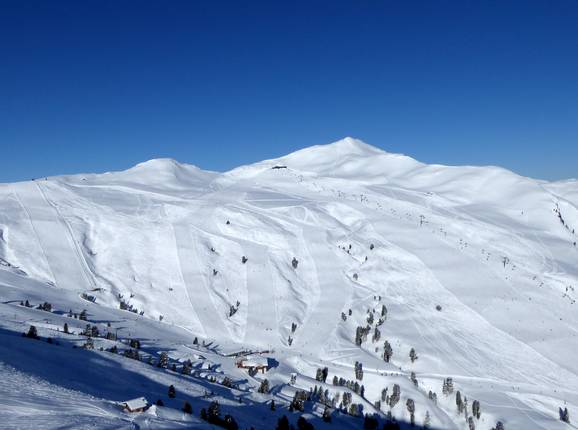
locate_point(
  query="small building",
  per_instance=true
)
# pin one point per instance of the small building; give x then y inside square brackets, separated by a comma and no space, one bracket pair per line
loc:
[254,363]
[139,404]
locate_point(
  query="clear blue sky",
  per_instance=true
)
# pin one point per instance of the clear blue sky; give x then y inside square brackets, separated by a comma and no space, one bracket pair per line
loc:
[90,86]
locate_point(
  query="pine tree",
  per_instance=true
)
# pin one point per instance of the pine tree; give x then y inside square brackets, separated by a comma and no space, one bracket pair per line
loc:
[346,400]
[564,415]
[264,387]
[384,395]
[214,410]
[384,312]
[326,415]
[413,378]
[412,355]
[395,395]
[172,392]
[187,408]
[427,420]
[66,328]
[32,332]
[387,351]
[163,360]
[283,423]
[358,371]
[410,405]
[476,409]
[459,402]
[448,386]
[370,422]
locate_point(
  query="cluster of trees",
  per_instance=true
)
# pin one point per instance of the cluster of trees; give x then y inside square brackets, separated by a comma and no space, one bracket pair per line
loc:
[348,407]
[132,354]
[361,334]
[88,297]
[352,385]
[462,406]
[45,307]
[90,331]
[298,402]
[321,374]
[448,386]
[126,306]
[302,424]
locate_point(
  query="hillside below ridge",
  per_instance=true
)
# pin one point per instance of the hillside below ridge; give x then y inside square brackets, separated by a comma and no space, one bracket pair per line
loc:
[318,257]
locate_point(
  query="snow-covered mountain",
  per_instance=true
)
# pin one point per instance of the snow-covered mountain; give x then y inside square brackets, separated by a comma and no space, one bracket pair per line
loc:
[314,260]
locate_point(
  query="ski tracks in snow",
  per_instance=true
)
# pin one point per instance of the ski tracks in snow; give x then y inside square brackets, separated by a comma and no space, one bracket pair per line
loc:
[195,283]
[332,293]
[55,237]
[261,327]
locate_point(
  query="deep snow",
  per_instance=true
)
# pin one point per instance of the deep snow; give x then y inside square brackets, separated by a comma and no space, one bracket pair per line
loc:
[495,250]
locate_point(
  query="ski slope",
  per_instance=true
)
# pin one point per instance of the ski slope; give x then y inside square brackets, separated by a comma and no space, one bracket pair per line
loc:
[476,266]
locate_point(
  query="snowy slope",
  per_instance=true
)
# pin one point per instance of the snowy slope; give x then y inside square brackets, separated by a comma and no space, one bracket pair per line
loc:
[496,251]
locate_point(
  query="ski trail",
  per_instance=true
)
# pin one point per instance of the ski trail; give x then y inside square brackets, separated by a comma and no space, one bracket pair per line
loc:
[196,284]
[261,327]
[75,245]
[195,315]
[36,235]
[55,238]
[333,292]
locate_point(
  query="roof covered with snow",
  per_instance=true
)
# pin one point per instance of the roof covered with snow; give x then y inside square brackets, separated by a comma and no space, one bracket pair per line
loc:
[254,361]
[139,402]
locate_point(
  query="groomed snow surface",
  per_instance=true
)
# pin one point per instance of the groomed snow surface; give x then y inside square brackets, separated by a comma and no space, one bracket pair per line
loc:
[284,259]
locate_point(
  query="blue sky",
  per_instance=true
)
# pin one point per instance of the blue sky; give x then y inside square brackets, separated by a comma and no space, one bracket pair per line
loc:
[102,85]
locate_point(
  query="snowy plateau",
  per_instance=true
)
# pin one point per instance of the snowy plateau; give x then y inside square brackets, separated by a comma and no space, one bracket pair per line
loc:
[351,287]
